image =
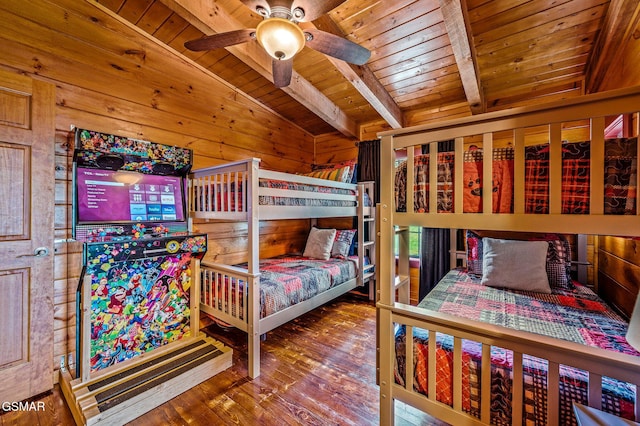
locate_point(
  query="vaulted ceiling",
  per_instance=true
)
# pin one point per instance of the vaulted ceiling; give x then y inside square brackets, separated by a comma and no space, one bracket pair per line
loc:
[429,58]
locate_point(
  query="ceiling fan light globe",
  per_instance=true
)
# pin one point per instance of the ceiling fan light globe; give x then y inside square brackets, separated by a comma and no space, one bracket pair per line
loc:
[281,38]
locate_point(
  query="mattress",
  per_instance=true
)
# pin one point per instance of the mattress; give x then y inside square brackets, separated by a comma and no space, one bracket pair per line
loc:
[288,280]
[576,315]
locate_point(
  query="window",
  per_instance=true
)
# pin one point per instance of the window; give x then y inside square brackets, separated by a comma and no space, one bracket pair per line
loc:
[415,234]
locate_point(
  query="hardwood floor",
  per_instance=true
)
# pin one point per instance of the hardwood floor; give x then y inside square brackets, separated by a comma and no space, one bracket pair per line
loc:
[316,370]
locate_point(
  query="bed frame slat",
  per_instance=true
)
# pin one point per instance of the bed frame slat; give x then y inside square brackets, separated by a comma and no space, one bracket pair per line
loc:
[553,393]
[487,173]
[595,390]
[408,380]
[518,389]
[433,371]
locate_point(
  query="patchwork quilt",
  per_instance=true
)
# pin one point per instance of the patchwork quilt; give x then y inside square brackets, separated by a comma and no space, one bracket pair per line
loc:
[291,279]
[575,315]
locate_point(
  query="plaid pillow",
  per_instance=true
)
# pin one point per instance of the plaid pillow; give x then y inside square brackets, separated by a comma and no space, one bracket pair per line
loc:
[342,242]
[339,172]
[558,265]
[474,254]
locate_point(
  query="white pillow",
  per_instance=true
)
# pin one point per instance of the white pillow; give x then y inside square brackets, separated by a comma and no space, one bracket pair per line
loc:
[319,243]
[518,265]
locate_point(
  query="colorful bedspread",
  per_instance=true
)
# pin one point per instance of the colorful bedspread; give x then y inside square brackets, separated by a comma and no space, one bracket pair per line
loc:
[285,281]
[291,279]
[294,201]
[576,315]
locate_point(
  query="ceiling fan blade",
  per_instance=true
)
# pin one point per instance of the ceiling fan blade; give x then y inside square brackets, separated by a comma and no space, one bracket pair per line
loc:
[282,70]
[217,41]
[338,47]
[313,9]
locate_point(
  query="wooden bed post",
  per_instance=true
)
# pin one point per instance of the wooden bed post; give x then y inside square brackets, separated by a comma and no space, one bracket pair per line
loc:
[253,224]
[387,276]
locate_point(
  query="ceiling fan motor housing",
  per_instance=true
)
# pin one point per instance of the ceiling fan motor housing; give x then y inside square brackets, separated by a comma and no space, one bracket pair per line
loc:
[281,12]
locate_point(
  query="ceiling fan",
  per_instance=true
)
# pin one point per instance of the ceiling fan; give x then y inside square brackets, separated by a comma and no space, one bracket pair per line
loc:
[280,35]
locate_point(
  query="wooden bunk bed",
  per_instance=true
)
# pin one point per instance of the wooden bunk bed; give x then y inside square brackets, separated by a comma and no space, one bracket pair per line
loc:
[243,192]
[519,130]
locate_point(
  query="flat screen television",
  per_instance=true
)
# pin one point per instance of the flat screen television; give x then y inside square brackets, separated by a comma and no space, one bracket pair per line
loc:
[108,196]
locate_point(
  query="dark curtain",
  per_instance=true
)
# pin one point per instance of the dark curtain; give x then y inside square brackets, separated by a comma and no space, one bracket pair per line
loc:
[369,164]
[434,258]
[434,245]
[444,146]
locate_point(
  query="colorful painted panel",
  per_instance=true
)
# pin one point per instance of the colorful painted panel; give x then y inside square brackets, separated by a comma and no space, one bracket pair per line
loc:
[140,156]
[140,295]
[123,232]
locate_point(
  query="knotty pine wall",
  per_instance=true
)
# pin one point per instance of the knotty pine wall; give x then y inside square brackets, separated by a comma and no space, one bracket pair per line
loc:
[110,78]
[334,148]
[619,271]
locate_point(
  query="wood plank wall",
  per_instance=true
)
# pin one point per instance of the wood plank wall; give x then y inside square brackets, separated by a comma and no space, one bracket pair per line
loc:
[619,272]
[334,148]
[110,78]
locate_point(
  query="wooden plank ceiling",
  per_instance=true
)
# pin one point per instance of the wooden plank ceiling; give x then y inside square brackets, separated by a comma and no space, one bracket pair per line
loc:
[426,55]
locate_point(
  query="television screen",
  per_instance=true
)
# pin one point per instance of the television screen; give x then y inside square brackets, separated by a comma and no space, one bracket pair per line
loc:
[107,196]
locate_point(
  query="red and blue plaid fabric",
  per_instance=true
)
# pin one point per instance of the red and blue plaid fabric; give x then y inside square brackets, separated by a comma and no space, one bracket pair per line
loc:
[536,179]
[620,176]
[576,163]
[421,184]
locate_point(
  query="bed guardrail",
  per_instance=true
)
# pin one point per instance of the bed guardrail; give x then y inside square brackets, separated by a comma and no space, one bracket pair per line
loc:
[241,190]
[221,191]
[622,367]
[226,293]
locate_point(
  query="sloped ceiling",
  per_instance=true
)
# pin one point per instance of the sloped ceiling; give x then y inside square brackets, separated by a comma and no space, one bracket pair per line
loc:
[429,58]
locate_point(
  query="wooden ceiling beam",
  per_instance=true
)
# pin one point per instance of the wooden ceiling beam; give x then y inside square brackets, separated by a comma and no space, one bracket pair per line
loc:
[363,79]
[620,21]
[211,20]
[457,24]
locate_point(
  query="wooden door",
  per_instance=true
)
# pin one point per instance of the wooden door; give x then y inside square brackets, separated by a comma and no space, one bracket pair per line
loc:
[27,130]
